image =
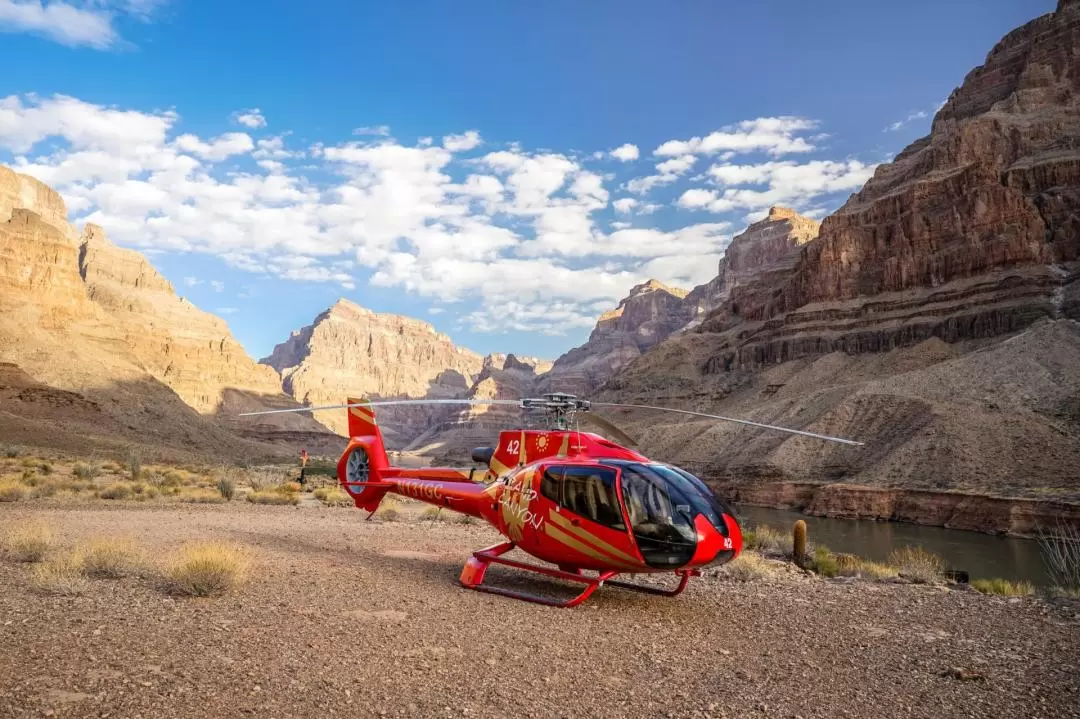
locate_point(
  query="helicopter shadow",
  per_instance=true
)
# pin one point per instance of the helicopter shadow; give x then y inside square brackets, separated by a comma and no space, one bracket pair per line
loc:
[437,571]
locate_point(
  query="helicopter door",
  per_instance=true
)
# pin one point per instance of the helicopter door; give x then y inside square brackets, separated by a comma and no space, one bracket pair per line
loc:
[662,522]
[589,514]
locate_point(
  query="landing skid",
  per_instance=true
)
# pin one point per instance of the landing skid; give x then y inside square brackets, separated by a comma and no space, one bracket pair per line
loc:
[472,577]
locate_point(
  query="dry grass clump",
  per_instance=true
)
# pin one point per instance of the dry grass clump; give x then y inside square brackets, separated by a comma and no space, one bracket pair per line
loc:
[116,490]
[917,564]
[10,451]
[61,575]
[1061,554]
[1003,587]
[389,510]
[849,565]
[28,541]
[766,540]
[86,470]
[201,496]
[824,562]
[282,494]
[206,569]
[747,567]
[110,557]
[464,519]
[134,465]
[226,487]
[432,514]
[333,497]
[12,491]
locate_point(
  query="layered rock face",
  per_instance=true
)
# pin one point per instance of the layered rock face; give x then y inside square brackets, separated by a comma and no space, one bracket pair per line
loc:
[191,351]
[85,317]
[351,351]
[971,232]
[647,316]
[933,317]
[504,377]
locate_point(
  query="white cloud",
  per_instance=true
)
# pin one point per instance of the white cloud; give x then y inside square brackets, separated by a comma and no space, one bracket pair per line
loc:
[217,285]
[522,239]
[378,131]
[772,135]
[626,153]
[231,143]
[60,22]
[252,118]
[226,310]
[192,281]
[83,23]
[786,183]
[462,143]
[912,117]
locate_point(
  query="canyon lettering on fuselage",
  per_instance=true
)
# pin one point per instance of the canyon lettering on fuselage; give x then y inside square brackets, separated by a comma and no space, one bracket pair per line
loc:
[511,500]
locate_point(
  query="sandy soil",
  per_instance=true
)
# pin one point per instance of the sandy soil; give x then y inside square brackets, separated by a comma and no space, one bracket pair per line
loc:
[346,617]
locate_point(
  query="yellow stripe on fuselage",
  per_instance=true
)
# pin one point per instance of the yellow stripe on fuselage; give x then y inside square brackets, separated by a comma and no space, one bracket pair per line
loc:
[585,536]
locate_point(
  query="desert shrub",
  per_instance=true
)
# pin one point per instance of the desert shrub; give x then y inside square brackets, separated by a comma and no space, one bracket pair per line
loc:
[86,470]
[824,562]
[201,496]
[464,519]
[48,488]
[269,496]
[30,462]
[77,486]
[176,478]
[748,566]
[111,466]
[1061,554]
[389,510]
[45,468]
[1003,587]
[13,491]
[766,540]
[206,569]
[29,477]
[10,451]
[917,564]
[110,557]
[226,487]
[61,575]
[134,465]
[432,514]
[28,541]
[116,490]
[334,497]
[261,480]
[848,565]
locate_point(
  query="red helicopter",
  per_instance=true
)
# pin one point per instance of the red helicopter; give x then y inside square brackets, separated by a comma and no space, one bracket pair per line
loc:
[570,498]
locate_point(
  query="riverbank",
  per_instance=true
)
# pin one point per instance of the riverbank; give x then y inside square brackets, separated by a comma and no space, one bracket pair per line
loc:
[1018,517]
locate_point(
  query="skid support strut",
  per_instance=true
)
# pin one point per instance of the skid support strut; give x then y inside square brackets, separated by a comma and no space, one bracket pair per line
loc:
[472,577]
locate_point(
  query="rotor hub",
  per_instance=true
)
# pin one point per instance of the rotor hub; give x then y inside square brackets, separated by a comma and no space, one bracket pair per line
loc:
[560,409]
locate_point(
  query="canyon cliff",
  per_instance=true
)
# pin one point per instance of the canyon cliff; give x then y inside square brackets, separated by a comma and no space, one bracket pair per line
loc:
[351,351]
[97,325]
[932,317]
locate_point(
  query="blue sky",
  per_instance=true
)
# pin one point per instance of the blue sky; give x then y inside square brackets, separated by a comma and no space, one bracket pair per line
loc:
[505,171]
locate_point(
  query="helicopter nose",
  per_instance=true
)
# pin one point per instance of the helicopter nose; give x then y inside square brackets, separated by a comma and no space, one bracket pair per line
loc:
[712,544]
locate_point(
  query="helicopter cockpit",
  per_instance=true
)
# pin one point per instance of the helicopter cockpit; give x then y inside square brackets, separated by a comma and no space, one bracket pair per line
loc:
[661,502]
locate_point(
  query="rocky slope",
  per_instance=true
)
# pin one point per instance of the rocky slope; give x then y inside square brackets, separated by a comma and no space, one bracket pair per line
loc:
[83,317]
[961,258]
[351,351]
[649,314]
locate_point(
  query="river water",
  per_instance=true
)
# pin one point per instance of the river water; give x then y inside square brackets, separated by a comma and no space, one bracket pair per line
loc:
[981,555]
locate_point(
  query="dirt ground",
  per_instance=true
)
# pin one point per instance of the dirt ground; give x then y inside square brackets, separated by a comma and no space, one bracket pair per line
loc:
[343,617]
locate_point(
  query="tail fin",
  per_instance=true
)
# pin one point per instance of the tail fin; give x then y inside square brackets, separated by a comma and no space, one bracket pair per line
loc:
[362,419]
[364,460]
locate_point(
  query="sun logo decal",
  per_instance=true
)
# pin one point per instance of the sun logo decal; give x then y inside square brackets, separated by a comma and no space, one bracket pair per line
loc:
[542,442]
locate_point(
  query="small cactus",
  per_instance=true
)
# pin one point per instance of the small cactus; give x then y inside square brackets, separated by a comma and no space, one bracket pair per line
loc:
[799,544]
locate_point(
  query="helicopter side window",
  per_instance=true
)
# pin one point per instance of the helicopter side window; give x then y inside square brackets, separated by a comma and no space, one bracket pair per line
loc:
[588,492]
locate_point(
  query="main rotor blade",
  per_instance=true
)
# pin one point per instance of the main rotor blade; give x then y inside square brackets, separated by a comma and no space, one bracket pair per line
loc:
[625,439]
[384,403]
[730,419]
